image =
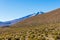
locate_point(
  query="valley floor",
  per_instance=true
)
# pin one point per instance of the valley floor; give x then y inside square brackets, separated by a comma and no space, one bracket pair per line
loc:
[42,32]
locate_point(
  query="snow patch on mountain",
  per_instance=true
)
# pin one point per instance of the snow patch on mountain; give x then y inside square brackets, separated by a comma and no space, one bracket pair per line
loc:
[8,23]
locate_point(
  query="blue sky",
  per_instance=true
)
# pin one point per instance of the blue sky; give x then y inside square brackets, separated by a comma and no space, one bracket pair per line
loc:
[13,9]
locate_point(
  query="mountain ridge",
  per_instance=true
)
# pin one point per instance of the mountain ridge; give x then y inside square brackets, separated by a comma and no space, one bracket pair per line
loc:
[46,18]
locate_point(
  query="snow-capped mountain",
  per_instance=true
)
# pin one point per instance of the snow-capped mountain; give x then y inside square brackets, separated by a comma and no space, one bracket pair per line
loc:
[8,23]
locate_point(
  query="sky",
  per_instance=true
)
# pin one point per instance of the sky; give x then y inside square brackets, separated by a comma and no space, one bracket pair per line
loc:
[14,9]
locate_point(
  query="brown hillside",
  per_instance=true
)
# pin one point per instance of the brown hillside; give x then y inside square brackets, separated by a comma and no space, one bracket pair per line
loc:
[49,17]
